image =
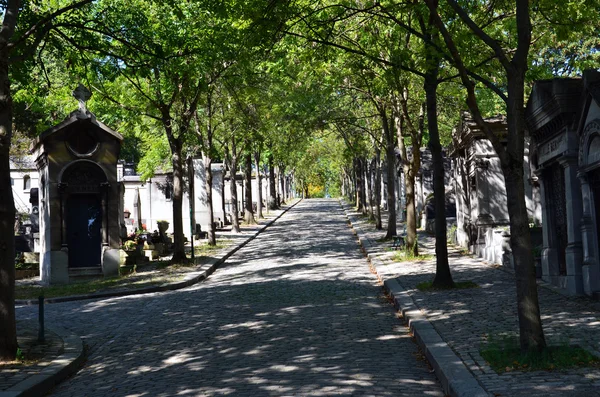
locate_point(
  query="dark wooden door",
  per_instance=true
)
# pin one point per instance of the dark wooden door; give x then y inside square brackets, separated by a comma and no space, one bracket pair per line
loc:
[84,238]
[594,179]
[556,201]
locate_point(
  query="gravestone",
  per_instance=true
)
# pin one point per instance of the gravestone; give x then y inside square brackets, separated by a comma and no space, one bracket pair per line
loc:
[78,197]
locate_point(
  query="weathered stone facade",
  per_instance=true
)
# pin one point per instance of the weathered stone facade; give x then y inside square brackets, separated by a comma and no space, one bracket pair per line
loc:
[563,117]
[482,215]
[78,197]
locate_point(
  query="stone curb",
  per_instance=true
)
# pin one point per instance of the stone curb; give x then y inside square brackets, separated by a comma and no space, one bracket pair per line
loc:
[190,279]
[60,368]
[455,377]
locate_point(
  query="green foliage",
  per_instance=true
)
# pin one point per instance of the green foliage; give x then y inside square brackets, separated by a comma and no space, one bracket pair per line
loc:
[405,255]
[318,166]
[504,355]
[452,233]
[129,245]
[20,356]
[427,286]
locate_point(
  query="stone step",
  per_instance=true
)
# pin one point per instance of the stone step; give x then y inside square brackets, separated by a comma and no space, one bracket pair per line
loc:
[85,273]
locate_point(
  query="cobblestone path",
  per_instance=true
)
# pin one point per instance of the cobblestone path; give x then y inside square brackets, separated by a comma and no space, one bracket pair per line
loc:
[467,319]
[295,312]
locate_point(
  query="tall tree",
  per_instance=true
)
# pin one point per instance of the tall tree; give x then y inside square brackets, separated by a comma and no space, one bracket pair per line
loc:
[514,63]
[206,138]
[23,29]
[259,198]
[248,208]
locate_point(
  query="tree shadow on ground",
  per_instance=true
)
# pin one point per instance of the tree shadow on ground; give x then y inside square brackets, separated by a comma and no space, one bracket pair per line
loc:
[297,313]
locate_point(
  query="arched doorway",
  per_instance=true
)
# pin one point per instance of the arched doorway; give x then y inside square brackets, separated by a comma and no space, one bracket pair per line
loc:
[82,201]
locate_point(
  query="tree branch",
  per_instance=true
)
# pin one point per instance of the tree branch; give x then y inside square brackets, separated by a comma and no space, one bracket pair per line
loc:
[11,14]
[493,44]
[471,98]
[47,20]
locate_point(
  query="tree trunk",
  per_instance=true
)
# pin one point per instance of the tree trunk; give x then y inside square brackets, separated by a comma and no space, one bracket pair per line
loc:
[410,166]
[235,220]
[223,208]
[272,185]
[369,179]
[443,277]
[531,333]
[410,169]
[212,235]
[356,175]
[360,204]
[282,182]
[179,255]
[207,143]
[411,213]
[259,208]
[378,223]
[363,187]
[249,209]
[390,156]
[8,330]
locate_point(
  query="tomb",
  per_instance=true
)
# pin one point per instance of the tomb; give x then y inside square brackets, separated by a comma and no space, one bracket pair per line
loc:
[563,117]
[482,219]
[78,197]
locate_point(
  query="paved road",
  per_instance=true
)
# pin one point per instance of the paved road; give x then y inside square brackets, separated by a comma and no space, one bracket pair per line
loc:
[295,312]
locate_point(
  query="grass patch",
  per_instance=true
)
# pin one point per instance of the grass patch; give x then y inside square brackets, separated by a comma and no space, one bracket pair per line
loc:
[129,279]
[405,256]
[464,251]
[23,359]
[428,286]
[81,288]
[505,356]
[206,249]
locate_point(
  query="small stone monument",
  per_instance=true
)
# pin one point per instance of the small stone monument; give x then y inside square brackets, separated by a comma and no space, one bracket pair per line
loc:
[78,197]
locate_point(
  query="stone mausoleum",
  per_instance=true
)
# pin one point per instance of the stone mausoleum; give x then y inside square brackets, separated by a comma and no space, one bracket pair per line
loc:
[78,197]
[482,218]
[563,118]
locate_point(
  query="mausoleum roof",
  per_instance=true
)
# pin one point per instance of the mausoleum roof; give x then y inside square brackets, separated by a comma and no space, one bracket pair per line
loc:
[77,117]
[552,105]
[467,130]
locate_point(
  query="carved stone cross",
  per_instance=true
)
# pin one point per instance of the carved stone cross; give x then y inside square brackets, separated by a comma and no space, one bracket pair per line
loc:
[82,94]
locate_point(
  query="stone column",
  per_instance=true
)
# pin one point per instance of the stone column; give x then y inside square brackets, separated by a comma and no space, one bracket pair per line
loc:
[62,196]
[483,187]
[590,269]
[484,220]
[574,251]
[549,254]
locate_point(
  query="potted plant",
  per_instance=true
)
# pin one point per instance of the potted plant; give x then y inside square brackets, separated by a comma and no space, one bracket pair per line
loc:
[129,245]
[162,226]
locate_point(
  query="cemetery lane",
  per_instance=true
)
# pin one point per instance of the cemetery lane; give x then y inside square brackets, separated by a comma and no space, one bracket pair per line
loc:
[294,312]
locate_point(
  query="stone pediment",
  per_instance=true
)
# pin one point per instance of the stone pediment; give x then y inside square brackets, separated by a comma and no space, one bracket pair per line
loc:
[468,131]
[81,121]
[553,104]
